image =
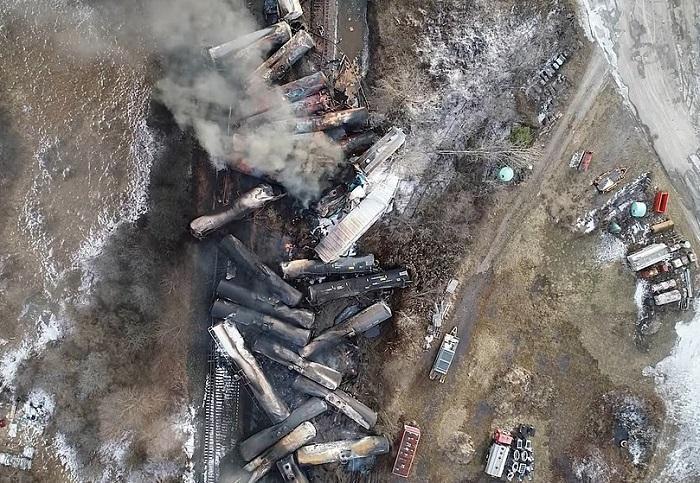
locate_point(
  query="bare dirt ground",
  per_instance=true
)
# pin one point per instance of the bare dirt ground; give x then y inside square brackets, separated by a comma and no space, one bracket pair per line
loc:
[548,330]
[547,318]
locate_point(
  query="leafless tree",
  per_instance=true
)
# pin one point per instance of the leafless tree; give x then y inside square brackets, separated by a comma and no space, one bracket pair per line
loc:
[512,155]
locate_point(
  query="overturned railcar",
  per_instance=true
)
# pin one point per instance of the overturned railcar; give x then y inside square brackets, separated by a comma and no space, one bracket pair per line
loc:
[342,266]
[324,375]
[342,451]
[232,344]
[262,465]
[259,442]
[265,304]
[289,333]
[358,323]
[244,258]
[346,404]
[327,291]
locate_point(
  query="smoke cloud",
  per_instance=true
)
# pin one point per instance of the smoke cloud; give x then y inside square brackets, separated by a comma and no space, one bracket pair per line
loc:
[212,100]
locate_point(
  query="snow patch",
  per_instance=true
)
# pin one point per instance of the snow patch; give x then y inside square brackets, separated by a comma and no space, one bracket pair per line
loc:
[610,249]
[68,456]
[49,329]
[678,382]
[113,455]
[184,424]
[593,468]
[596,18]
[633,415]
[144,150]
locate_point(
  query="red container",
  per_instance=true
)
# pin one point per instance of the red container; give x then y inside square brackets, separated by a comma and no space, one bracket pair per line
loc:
[407,451]
[502,437]
[585,161]
[661,202]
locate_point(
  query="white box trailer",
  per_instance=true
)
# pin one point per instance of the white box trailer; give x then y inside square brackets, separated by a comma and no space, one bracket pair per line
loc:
[496,463]
[668,297]
[648,256]
[664,286]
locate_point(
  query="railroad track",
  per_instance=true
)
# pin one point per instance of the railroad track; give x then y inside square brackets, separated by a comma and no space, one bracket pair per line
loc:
[324,28]
[222,391]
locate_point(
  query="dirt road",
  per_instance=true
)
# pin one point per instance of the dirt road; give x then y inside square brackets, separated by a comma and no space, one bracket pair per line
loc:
[593,80]
[651,46]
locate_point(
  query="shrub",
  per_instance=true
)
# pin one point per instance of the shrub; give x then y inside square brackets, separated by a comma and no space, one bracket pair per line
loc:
[522,136]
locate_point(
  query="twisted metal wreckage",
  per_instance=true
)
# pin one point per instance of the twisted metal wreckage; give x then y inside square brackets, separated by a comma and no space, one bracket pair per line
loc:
[259,312]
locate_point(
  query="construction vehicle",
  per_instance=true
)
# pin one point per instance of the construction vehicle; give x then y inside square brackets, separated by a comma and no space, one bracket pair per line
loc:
[445,355]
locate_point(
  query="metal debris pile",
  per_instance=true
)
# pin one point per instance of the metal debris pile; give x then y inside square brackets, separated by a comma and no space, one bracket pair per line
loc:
[330,138]
[637,215]
[260,316]
[289,333]
[441,310]
[26,421]
[545,86]
[511,454]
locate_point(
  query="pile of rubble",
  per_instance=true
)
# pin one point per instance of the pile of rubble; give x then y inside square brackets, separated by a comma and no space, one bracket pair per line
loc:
[511,454]
[23,428]
[260,314]
[637,215]
[260,318]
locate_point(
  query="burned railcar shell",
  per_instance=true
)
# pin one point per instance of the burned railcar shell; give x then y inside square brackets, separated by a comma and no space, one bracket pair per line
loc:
[290,471]
[324,375]
[262,465]
[232,344]
[345,403]
[241,255]
[358,323]
[381,150]
[264,39]
[281,61]
[327,291]
[342,451]
[349,117]
[250,201]
[297,336]
[260,441]
[265,304]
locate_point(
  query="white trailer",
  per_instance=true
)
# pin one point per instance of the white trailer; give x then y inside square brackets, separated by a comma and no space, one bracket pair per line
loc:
[668,297]
[648,256]
[496,463]
[664,286]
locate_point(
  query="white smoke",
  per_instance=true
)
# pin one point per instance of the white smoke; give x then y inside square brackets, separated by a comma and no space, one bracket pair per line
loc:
[211,99]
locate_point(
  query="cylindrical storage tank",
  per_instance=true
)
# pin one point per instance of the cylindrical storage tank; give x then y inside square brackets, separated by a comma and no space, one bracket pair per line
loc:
[638,209]
[506,174]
